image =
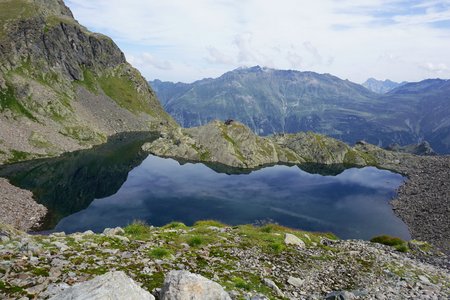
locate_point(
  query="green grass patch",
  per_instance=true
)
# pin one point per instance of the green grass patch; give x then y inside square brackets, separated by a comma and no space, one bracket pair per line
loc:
[9,101]
[10,289]
[209,223]
[197,241]
[397,243]
[159,253]
[18,156]
[138,230]
[123,91]
[89,81]
[175,225]
[40,272]
[241,283]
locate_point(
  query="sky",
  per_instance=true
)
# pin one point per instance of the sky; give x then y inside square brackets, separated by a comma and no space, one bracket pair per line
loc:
[179,40]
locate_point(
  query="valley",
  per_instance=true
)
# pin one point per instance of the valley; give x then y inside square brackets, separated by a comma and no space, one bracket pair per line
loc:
[106,181]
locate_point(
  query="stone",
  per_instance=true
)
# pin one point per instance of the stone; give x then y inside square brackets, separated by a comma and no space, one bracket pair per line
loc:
[424,279]
[182,285]
[273,286]
[340,295]
[291,239]
[297,282]
[113,231]
[61,246]
[112,285]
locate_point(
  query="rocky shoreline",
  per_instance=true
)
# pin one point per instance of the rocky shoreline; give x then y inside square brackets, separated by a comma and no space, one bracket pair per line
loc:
[18,208]
[269,262]
[423,202]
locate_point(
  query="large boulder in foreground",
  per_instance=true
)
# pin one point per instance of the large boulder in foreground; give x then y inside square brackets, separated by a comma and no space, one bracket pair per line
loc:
[183,285]
[111,286]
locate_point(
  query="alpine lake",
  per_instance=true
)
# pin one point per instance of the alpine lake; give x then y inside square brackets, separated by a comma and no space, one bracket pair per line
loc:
[117,183]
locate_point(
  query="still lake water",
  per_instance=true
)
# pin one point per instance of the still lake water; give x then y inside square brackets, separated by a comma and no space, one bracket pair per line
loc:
[107,187]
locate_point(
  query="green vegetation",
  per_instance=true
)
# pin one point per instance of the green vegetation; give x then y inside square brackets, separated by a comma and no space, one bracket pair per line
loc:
[196,241]
[351,158]
[174,225]
[18,156]
[124,92]
[9,101]
[138,230]
[89,81]
[159,253]
[237,151]
[54,20]
[83,134]
[209,223]
[397,243]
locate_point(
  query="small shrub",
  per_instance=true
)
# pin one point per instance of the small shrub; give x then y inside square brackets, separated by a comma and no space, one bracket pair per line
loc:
[159,253]
[397,243]
[277,247]
[138,229]
[174,225]
[196,241]
[241,283]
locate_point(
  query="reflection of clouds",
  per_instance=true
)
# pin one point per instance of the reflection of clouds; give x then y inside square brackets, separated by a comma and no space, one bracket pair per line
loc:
[161,189]
[371,177]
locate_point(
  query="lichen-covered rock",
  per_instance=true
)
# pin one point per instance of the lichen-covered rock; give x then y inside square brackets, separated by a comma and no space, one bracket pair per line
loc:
[112,285]
[183,285]
[291,239]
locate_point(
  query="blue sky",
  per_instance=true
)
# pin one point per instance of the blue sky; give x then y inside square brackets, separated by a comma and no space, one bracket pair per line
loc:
[180,40]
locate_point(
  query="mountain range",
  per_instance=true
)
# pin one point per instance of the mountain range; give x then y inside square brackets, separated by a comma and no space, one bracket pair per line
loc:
[285,101]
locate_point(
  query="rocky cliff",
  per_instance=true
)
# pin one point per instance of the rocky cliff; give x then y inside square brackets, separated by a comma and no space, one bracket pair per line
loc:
[63,87]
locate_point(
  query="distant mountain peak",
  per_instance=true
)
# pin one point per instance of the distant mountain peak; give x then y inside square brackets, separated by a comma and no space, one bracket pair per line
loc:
[381,86]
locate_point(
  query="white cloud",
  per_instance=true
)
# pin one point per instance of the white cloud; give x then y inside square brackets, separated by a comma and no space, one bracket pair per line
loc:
[188,40]
[435,67]
[147,59]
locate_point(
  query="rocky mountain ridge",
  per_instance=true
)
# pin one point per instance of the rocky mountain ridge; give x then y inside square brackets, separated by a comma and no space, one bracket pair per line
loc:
[381,86]
[63,87]
[273,101]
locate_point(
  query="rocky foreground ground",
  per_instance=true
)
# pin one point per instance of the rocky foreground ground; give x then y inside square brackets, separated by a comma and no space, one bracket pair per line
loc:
[268,262]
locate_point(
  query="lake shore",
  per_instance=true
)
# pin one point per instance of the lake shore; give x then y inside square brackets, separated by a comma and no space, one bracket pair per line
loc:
[422,202]
[18,207]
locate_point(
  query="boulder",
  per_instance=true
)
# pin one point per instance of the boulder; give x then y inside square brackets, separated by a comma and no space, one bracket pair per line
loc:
[268,282]
[182,285]
[340,295]
[111,286]
[113,231]
[294,281]
[291,239]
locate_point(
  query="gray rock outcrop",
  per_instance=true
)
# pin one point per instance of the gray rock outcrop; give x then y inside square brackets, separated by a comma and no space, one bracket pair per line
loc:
[111,286]
[183,285]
